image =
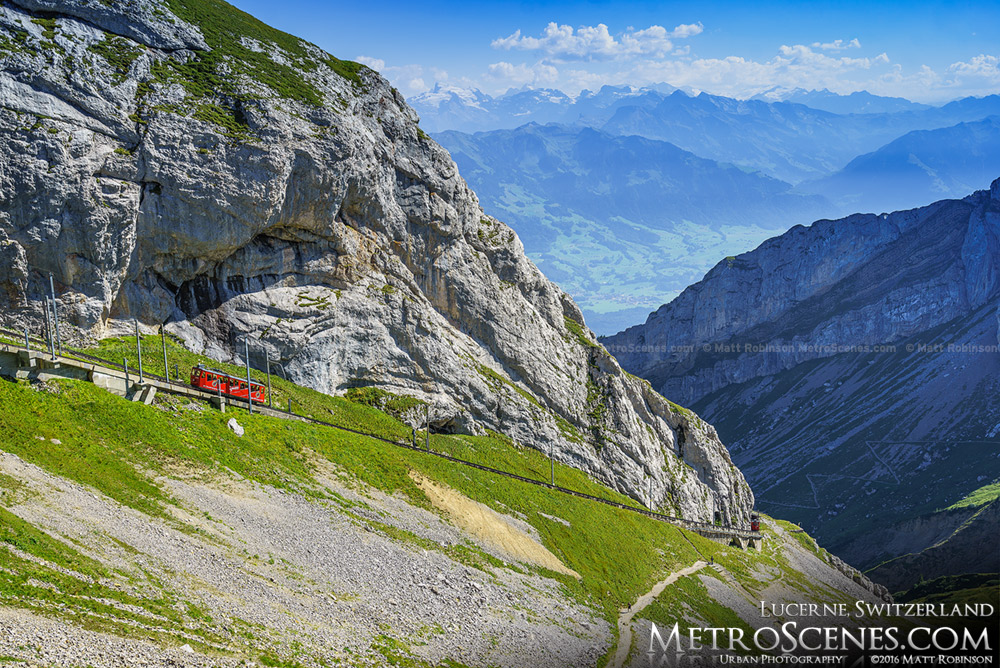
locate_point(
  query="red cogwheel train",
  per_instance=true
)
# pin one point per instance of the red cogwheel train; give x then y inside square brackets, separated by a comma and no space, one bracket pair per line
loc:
[214,381]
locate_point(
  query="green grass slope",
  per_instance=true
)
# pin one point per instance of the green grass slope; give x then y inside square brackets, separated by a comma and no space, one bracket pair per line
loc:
[125,450]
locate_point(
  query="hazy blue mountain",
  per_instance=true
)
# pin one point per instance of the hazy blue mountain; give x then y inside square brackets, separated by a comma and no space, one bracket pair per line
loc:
[916,169]
[621,223]
[860,102]
[789,141]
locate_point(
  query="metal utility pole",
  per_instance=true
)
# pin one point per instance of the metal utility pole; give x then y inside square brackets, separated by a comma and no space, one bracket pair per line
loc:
[55,312]
[163,340]
[27,344]
[267,365]
[48,330]
[246,355]
[138,349]
[427,424]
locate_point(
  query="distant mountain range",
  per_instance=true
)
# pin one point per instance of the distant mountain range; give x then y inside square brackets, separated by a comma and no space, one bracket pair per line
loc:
[789,141]
[450,108]
[471,110]
[860,102]
[621,222]
[792,135]
[917,169]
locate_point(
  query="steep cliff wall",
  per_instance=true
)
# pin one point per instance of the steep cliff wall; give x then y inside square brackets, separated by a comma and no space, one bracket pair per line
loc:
[179,162]
[818,291]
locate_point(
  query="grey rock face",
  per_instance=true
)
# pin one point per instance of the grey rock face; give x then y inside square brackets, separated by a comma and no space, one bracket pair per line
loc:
[338,237]
[815,292]
[139,20]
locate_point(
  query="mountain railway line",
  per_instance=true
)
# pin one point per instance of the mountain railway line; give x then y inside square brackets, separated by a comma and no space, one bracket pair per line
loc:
[75,364]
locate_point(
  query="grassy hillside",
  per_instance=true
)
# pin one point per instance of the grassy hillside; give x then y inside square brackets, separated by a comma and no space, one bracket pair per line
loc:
[127,451]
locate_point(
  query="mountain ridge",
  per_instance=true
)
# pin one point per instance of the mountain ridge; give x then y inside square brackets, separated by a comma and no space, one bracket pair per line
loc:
[916,169]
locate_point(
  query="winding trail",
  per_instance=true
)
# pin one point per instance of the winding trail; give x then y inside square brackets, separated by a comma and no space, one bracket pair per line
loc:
[625,618]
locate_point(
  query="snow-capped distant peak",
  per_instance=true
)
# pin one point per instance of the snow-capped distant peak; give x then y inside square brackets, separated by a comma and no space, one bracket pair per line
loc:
[778,94]
[443,93]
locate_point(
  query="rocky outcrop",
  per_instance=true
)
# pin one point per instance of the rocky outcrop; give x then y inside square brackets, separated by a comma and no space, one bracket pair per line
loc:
[181,163]
[836,286]
[860,579]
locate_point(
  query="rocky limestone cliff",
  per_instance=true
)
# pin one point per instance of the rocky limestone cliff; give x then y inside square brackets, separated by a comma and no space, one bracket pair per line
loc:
[178,162]
[814,292]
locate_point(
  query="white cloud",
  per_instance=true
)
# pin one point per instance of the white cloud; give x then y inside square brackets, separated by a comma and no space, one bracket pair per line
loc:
[376,64]
[837,45]
[539,74]
[795,66]
[596,42]
[687,30]
[984,66]
[799,56]
[651,40]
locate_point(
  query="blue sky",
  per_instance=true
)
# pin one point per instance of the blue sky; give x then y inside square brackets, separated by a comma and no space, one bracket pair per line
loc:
[929,52]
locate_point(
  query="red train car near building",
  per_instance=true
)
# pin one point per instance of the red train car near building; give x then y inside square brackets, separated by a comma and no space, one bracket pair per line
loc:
[214,381]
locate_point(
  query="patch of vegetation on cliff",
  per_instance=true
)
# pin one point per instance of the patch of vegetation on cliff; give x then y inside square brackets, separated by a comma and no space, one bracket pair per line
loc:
[16,41]
[258,51]
[396,405]
[498,382]
[225,118]
[119,52]
[48,42]
[306,300]
[597,404]
[490,232]
[576,329]
[222,83]
[804,539]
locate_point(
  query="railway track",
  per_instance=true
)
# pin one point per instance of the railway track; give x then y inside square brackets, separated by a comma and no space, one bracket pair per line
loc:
[176,387]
